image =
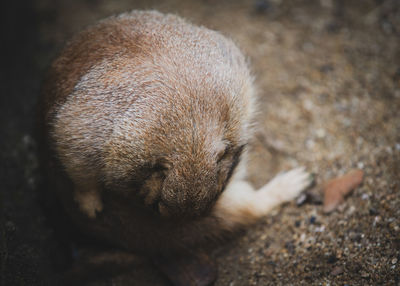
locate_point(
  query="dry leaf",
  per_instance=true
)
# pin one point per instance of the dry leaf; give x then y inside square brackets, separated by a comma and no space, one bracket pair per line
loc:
[336,189]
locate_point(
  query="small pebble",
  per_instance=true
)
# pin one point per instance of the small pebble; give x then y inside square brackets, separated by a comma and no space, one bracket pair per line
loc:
[301,199]
[10,226]
[310,143]
[326,3]
[394,260]
[308,105]
[351,210]
[332,259]
[311,196]
[377,219]
[326,68]
[320,133]
[373,211]
[308,47]
[364,274]
[337,270]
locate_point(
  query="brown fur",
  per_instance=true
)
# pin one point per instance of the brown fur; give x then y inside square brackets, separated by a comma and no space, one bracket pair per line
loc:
[148,117]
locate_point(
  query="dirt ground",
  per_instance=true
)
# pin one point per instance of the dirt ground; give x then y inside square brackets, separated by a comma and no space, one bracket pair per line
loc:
[328,75]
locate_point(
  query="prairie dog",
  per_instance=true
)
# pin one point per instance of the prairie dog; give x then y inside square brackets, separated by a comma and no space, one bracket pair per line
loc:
[148,117]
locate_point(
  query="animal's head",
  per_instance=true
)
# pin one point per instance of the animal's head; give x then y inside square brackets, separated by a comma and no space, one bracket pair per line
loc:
[194,179]
[180,155]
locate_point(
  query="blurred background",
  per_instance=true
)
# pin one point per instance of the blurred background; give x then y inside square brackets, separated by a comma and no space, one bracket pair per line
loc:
[328,78]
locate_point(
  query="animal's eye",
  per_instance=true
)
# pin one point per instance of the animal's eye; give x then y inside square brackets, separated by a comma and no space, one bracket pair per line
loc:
[159,167]
[235,158]
[230,152]
[222,155]
[240,149]
[157,171]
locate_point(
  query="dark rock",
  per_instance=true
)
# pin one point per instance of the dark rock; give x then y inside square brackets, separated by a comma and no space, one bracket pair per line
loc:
[332,259]
[373,211]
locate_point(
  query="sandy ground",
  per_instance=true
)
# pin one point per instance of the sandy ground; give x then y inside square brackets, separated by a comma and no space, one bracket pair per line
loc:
[328,75]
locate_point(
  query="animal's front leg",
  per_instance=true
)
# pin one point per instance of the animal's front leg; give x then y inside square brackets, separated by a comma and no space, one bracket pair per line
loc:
[241,204]
[86,194]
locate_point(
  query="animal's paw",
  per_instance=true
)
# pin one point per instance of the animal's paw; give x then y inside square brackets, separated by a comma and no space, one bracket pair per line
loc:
[286,186]
[89,202]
